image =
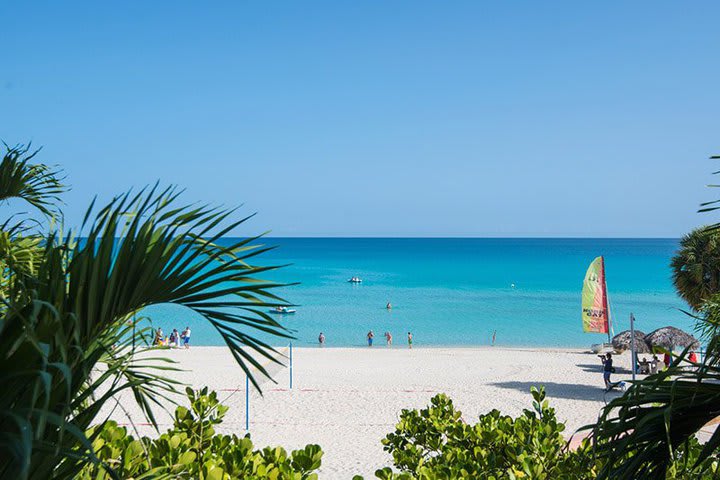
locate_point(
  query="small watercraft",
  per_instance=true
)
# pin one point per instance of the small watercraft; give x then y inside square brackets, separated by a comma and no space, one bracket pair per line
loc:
[602,348]
[595,309]
[282,311]
[355,280]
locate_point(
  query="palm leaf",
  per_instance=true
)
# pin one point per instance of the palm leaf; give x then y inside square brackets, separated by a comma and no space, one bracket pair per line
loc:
[65,327]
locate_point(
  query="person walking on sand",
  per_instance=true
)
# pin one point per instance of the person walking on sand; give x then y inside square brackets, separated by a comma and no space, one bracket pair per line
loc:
[388,338]
[410,338]
[185,335]
[370,337]
[321,339]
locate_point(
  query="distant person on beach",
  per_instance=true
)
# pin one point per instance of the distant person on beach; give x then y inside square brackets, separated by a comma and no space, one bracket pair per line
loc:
[692,357]
[158,337]
[388,338]
[389,306]
[174,340]
[493,337]
[410,338]
[666,360]
[654,364]
[321,339]
[607,369]
[370,337]
[185,335]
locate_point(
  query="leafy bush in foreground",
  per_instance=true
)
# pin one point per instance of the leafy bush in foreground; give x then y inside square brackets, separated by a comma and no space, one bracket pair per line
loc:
[435,443]
[192,450]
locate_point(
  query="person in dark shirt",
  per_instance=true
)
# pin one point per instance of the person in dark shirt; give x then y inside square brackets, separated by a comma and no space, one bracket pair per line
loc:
[607,369]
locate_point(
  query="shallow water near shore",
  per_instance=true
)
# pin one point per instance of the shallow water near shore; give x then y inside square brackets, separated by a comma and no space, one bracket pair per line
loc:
[455,292]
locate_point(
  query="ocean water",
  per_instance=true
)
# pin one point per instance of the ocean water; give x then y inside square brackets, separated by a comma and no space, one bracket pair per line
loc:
[456,292]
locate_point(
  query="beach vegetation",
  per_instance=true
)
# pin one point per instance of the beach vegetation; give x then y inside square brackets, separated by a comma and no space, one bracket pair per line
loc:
[650,431]
[436,443]
[696,266]
[72,334]
[193,448]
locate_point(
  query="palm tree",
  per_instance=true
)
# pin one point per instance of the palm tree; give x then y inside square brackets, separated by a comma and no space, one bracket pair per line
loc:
[642,433]
[696,266]
[68,346]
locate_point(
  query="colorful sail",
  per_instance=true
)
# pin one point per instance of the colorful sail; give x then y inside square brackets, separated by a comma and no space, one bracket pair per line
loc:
[595,315]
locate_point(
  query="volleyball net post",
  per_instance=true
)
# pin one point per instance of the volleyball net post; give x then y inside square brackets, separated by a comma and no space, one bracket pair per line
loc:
[247,403]
[272,370]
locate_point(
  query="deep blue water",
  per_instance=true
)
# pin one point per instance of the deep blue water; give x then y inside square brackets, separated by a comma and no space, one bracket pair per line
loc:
[458,291]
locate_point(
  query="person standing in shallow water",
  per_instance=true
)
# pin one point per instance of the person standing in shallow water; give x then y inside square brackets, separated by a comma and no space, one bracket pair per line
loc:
[321,339]
[388,338]
[370,337]
[493,338]
[410,339]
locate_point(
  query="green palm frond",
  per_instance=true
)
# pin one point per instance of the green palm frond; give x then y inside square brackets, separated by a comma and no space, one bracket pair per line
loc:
[38,184]
[696,266]
[65,343]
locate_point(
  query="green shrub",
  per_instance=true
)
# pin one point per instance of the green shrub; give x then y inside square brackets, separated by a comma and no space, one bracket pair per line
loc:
[435,443]
[192,449]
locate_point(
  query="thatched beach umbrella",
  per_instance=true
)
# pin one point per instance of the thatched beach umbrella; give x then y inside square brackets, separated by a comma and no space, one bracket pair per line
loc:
[623,341]
[671,337]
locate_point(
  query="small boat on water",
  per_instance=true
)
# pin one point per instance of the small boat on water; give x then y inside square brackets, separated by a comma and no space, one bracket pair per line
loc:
[282,311]
[355,280]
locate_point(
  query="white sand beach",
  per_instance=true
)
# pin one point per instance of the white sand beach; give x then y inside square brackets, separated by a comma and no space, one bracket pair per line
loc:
[348,399]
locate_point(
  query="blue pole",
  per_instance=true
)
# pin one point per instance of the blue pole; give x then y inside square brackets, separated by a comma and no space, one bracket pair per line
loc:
[291,366]
[247,403]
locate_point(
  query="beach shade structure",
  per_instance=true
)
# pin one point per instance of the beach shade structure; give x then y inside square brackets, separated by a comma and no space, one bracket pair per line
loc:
[623,341]
[670,338]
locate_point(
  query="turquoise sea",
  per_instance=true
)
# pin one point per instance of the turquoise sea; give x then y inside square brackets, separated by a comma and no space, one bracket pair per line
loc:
[458,291]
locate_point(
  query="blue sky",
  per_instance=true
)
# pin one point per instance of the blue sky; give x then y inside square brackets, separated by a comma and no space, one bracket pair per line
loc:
[402,118]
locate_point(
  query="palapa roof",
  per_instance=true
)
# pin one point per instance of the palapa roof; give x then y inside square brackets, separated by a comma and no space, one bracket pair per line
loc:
[622,341]
[671,337]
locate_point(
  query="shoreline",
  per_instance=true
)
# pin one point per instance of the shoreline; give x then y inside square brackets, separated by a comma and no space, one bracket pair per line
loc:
[379,346]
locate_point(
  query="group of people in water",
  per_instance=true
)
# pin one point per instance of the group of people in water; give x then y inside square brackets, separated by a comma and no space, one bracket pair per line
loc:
[370,336]
[172,340]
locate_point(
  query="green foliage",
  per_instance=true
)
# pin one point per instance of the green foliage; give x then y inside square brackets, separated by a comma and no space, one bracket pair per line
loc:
[37,184]
[650,430]
[193,449]
[435,443]
[696,266]
[68,340]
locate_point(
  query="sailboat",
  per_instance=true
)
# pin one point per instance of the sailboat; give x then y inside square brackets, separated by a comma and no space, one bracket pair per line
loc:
[595,311]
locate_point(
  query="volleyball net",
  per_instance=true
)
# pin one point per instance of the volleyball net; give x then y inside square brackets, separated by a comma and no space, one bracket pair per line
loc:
[277,375]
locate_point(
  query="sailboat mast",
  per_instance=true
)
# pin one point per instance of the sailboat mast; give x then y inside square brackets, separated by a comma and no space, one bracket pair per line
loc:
[605,296]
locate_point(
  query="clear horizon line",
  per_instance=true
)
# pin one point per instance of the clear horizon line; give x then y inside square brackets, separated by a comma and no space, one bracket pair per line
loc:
[469,237]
